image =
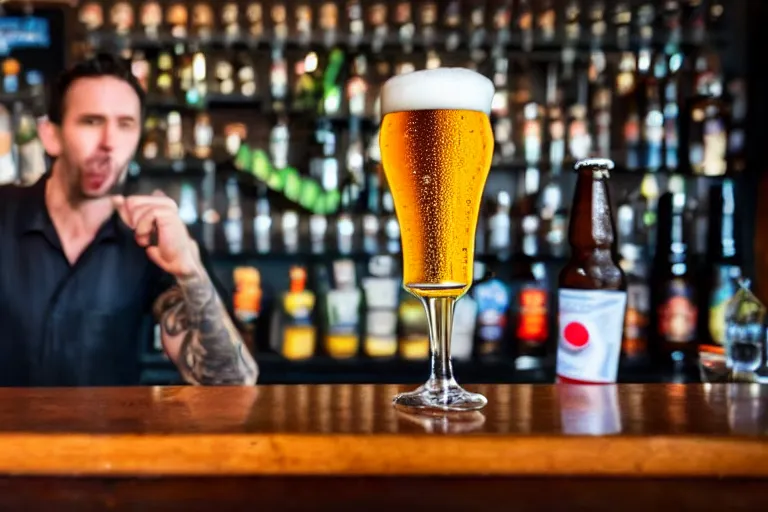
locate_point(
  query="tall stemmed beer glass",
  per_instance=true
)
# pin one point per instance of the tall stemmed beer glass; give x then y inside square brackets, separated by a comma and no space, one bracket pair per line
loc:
[436,147]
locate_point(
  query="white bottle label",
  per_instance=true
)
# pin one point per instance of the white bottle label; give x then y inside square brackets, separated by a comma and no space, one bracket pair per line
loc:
[589,338]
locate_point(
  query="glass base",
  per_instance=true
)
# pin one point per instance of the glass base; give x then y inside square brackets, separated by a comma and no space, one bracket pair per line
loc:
[436,398]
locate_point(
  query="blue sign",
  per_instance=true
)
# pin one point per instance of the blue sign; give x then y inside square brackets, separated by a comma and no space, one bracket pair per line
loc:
[23,32]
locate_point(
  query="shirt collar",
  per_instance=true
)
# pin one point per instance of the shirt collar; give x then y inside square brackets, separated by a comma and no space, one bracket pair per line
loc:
[34,216]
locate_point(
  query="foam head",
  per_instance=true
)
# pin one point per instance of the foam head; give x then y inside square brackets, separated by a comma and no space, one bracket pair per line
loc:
[440,88]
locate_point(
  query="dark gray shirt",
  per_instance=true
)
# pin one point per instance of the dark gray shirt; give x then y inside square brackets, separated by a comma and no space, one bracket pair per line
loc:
[71,325]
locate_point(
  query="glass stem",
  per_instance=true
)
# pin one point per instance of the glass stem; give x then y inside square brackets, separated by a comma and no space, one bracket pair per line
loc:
[440,321]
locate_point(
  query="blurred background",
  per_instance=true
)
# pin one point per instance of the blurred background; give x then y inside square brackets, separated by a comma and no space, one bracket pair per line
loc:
[262,122]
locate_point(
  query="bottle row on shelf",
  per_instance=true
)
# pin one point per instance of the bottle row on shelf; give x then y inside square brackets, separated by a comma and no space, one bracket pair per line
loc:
[450,24]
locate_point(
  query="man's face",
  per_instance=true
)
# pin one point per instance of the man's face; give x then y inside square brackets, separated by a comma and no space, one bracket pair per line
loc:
[99,134]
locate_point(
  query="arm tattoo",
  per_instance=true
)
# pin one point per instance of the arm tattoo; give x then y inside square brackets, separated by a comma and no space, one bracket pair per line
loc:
[212,351]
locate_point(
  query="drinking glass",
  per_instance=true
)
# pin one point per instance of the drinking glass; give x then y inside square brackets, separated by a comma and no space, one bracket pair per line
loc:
[436,146]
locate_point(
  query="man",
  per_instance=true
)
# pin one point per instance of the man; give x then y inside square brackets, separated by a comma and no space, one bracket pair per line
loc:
[82,269]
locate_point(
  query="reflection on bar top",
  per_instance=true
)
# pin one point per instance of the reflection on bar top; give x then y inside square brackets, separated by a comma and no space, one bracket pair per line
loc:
[519,410]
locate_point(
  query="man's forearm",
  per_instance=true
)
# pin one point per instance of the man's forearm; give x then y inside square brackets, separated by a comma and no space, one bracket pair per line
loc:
[211,350]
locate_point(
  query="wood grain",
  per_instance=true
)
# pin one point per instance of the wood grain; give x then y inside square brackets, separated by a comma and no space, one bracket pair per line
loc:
[670,430]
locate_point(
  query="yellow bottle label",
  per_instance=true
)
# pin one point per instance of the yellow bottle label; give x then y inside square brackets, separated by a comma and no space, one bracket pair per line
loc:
[380,347]
[342,346]
[414,348]
[299,342]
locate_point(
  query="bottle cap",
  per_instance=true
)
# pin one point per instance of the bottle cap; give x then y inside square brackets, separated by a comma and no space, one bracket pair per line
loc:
[594,163]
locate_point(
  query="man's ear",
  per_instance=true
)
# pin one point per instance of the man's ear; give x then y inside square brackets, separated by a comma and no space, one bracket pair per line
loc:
[50,136]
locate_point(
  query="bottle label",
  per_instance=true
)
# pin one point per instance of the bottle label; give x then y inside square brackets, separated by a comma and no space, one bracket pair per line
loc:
[532,323]
[589,338]
[724,288]
[677,313]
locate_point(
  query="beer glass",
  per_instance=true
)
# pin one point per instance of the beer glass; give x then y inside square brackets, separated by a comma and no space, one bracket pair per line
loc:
[436,147]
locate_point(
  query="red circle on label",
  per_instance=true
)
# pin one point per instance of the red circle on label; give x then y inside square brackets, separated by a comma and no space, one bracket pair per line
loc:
[576,334]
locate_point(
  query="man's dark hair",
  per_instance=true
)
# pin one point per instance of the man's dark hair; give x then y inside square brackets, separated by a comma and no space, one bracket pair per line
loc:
[103,64]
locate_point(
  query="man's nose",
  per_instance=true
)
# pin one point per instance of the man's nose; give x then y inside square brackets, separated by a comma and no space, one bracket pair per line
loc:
[107,136]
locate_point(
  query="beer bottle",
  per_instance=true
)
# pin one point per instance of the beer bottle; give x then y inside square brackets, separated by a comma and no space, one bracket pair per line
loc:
[592,287]
[673,291]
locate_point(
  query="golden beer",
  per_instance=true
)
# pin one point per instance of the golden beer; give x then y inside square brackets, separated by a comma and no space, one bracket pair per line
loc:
[436,147]
[436,162]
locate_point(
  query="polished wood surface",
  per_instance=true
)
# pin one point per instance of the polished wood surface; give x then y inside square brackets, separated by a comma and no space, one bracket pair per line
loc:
[709,430]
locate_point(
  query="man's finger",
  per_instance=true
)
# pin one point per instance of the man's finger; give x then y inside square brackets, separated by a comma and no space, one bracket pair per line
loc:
[145,222]
[118,202]
[136,201]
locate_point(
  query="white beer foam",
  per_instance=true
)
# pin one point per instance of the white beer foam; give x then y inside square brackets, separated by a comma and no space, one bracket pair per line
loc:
[440,88]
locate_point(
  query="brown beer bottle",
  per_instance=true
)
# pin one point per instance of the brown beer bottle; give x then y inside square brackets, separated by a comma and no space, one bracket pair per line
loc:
[673,288]
[592,287]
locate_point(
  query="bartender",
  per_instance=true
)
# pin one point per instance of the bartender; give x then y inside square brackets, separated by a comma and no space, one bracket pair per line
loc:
[85,271]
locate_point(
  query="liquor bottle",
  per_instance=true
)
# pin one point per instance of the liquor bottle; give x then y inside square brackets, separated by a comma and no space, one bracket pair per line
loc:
[499,225]
[290,228]
[356,22]
[303,17]
[233,223]
[247,81]
[152,138]
[357,87]
[345,221]
[381,290]
[391,226]
[254,15]
[377,18]
[707,136]
[673,286]
[202,20]
[342,339]
[547,22]
[634,344]
[294,333]
[502,17]
[476,30]
[174,148]
[622,20]
[672,116]
[465,321]
[504,147]
[572,36]
[725,260]
[31,154]
[405,26]
[530,313]
[203,136]
[452,22]
[278,79]
[247,298]
[8,172]
[279,15]
[329,22]
[525,24]
[262,222]
[653,130]
[188,204]
[121,18]
[413,331]
[176,17]
[279,140]
[230,20]
[591,286]
[493,302]
[428,20]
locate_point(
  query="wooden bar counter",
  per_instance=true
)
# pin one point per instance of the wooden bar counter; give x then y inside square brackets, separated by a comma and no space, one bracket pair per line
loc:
[708,437]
